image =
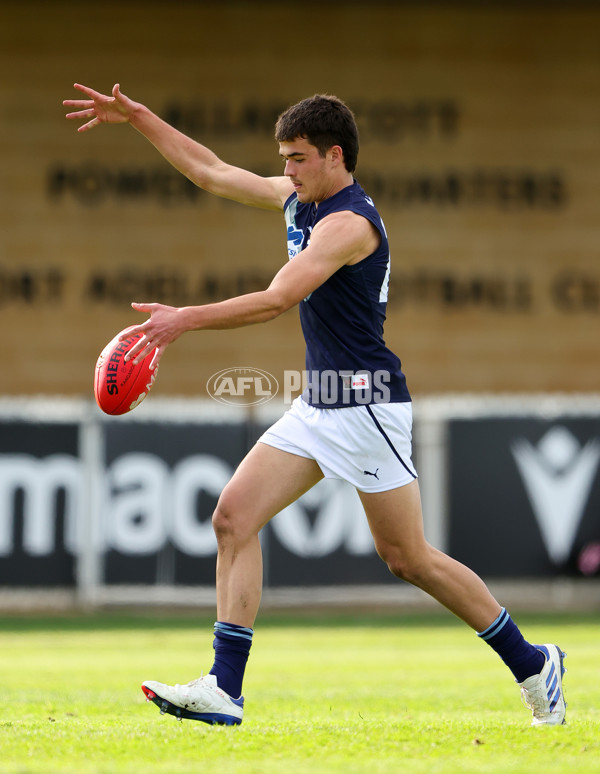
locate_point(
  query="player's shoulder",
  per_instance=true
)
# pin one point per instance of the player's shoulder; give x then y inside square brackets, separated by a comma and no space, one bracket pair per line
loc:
[362,199]
[343,218]
[352,198]
[349,204]
[349,231]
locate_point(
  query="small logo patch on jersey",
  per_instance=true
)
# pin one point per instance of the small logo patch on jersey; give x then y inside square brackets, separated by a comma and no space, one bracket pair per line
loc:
[356,381]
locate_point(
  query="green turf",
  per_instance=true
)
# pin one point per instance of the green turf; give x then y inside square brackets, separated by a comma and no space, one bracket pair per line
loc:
[328,693]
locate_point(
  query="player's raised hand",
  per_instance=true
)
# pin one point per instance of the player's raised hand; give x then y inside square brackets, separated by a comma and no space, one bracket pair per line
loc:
[100,108]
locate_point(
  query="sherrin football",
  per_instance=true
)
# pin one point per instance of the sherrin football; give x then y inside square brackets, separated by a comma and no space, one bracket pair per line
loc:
[120,386]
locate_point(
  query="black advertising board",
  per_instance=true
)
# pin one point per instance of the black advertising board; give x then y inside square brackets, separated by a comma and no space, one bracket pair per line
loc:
[523,500]
[162,484]
[40,498]
[524,497]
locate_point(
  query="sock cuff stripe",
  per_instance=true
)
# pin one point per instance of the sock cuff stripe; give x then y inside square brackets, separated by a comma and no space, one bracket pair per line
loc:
[496,626]
[234,634]
[233,631]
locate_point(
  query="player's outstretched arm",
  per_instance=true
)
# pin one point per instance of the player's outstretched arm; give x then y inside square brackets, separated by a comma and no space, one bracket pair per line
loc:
[195,161]
[339,239]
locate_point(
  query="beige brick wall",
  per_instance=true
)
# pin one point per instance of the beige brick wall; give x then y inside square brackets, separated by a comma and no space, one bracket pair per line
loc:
[480,145]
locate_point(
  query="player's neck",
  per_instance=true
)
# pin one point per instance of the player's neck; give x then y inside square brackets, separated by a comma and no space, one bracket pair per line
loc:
[341,182]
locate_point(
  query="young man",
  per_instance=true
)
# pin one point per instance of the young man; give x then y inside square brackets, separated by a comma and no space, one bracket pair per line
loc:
[353,421]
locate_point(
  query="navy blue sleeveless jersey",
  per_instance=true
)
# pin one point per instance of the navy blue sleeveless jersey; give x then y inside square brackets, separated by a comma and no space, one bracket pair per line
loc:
[347,361]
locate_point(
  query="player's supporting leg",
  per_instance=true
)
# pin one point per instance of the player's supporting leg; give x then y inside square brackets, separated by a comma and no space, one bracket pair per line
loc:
[266,481]
[395,519]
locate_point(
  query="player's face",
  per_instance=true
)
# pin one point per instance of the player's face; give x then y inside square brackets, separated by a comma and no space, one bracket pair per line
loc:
[308,171]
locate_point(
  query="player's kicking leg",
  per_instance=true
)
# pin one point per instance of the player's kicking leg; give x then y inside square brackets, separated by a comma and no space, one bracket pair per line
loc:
[396,523]
[266,481]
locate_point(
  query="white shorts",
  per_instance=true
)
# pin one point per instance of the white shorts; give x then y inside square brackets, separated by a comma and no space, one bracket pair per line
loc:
[368,446]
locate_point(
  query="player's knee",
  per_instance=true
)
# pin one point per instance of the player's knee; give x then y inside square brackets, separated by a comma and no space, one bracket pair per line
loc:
[407,567]
[228,520]
[224,519]
[401,569]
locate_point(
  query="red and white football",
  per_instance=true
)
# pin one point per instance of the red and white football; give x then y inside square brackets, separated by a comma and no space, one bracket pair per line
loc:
[120,386]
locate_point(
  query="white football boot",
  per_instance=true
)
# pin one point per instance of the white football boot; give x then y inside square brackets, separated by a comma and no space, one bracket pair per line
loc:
[201,699]
[543,693]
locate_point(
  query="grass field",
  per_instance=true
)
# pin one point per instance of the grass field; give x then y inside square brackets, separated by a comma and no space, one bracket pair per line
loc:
[332,692]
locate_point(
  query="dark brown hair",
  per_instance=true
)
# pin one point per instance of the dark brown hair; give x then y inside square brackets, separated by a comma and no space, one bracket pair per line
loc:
[324,121]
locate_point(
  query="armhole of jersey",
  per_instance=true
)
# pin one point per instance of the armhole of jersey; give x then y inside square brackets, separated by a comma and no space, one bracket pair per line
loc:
[287,202]
[383,291]
[377,223]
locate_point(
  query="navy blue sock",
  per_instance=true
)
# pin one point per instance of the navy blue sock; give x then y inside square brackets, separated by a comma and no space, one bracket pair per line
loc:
[523,659]
[232,648]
